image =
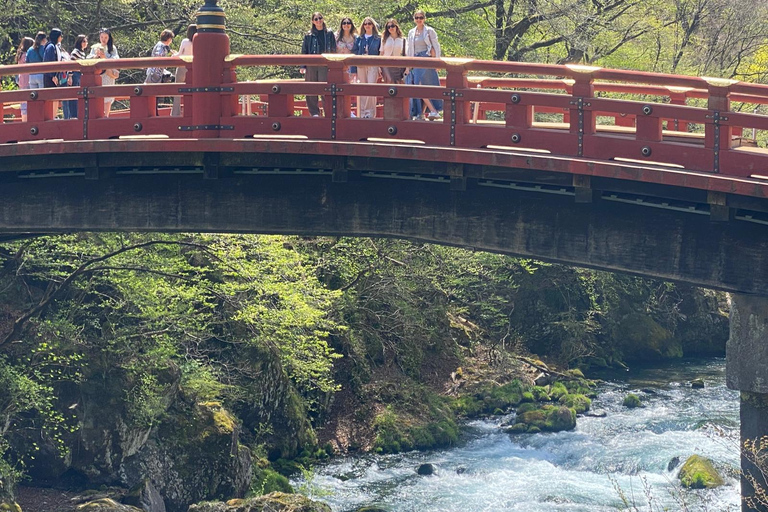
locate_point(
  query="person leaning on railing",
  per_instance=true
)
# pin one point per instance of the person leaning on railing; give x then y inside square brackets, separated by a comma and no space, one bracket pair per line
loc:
[317,41]
[185,48]
[422,42]
[53,53]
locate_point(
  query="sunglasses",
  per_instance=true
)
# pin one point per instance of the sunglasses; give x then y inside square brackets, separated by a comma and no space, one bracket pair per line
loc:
[390,26]
[319,18]
[367,23]
[346,22]
[418,17]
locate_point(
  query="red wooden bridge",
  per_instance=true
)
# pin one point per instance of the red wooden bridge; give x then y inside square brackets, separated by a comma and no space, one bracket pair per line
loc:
[658,175]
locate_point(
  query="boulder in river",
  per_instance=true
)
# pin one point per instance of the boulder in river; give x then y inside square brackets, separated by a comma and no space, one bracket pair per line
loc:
[274,502]
[371,509]
[673,463]
[426,469]
[631,401]
[548,418]
[697,384]
[699,473]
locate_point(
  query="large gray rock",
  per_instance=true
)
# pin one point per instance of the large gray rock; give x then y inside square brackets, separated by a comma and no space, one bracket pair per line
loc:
[146,497]
[274,502]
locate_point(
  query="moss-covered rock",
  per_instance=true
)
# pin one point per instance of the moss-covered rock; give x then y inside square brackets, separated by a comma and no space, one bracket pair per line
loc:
[578,403]
[274,502]
[9,506]
[548,418]
[486,398]
[433,426]
[699,473]
[540,394]
[267,480]
[631,401]
[557,390]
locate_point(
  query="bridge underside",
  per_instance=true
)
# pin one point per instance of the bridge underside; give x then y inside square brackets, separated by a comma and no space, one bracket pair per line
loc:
[602,222]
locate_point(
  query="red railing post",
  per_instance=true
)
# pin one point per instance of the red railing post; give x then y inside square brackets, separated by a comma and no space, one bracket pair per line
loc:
[582,118]
[677,96]
[335,105]
[211,48]
[717,136]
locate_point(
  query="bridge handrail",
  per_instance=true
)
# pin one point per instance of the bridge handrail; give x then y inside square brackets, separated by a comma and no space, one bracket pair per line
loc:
[567,92]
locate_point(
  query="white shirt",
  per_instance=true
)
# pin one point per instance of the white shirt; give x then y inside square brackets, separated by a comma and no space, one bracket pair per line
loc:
[393,47]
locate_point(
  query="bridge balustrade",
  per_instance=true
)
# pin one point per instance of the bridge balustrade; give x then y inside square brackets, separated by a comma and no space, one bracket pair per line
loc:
[587,113]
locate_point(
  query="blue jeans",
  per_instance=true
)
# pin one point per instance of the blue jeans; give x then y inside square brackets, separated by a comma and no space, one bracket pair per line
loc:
[69,107]
[421,76]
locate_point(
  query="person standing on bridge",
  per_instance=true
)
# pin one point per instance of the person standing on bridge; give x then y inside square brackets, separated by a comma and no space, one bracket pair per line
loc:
[161,75]
[78,53]
[369,43]
[317,41]
[345,42]
[23,80]
[35,55]
[53,53]
[185,48]
[422,42]
[393,45]
[106,49]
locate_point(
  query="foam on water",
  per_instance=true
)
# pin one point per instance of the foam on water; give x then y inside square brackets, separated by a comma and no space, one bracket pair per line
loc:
[567,471]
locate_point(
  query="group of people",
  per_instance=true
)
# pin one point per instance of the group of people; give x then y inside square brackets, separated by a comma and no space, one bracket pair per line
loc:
[48,48]
[421,42]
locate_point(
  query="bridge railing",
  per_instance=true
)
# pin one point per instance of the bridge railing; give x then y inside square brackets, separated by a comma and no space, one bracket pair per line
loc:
[561,110]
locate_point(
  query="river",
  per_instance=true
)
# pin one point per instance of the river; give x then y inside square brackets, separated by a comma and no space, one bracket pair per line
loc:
[585,470]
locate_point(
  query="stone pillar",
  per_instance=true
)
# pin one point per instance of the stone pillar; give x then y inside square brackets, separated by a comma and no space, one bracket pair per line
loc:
[211,48]
[747,371]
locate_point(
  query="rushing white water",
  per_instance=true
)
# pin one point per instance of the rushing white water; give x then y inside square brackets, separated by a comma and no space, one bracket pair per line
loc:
[584,470]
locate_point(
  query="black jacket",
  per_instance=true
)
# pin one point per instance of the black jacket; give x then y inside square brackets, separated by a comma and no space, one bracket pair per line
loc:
[311,45]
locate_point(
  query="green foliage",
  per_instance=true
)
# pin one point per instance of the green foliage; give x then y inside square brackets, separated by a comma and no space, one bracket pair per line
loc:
[268,480]
[557,390]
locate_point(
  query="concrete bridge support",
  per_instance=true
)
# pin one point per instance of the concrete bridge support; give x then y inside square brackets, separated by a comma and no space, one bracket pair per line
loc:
[747,371]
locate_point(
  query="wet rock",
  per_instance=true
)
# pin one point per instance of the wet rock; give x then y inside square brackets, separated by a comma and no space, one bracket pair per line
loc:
[596,414]
[673,463]
[461,471]
[699,473]
[426,469]
[145,497]
[697,384]
[543,379]
[105,505]
[371,509]
[274,502]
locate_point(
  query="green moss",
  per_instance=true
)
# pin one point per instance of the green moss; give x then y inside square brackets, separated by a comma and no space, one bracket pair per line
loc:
[699,473]
[557,390]
[523,408]
[578,403]
[540,394]
[632,401]
[527,397]
[10,507]
[548,418]
[272,481]
[575,373]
